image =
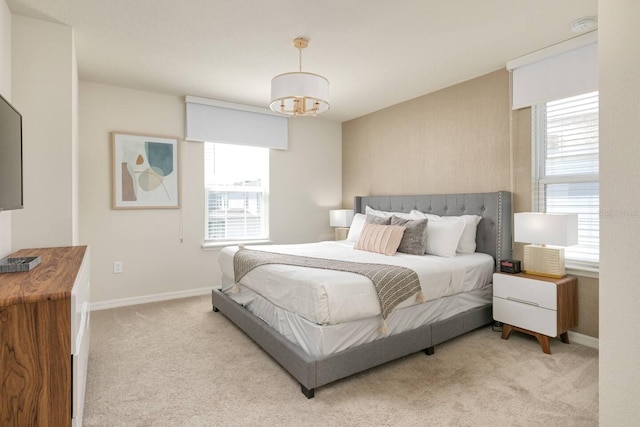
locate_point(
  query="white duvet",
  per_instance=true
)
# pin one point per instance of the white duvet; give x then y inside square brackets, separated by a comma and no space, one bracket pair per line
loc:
[331,297]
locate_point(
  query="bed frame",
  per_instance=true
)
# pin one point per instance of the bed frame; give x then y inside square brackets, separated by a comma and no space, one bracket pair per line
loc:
[493,238]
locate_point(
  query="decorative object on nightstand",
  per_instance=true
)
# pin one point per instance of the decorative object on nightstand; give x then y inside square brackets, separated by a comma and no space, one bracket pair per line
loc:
[542,229]
[543,307]
[511,266]
[341,219]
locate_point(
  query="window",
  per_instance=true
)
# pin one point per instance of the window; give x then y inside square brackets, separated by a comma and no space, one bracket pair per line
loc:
[236,191]
[565,169]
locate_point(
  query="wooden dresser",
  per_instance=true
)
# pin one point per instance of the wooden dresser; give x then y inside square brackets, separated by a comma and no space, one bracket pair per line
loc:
[44,339]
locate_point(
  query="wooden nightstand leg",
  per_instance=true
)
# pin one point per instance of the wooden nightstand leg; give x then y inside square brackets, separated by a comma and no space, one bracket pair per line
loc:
[506,331]
[564,337]
[542,339]
[544,343]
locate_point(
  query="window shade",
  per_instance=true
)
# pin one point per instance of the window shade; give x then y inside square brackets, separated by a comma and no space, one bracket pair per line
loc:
[215,121]
[560,71]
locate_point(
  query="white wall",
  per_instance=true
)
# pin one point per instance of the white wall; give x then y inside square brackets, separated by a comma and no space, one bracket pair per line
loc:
[305,183]
[5,90]
[619,63]
[75,149]
[43,80]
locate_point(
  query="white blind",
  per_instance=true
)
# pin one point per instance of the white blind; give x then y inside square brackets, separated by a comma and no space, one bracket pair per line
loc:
[236,191]
[562,70]
[566,141]
[210,120]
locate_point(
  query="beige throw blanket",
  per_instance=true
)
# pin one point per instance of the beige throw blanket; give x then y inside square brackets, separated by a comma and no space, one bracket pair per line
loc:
[393,284]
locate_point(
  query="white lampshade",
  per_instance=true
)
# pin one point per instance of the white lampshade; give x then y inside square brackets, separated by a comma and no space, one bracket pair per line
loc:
[546,228]
[340,217]
[310,90]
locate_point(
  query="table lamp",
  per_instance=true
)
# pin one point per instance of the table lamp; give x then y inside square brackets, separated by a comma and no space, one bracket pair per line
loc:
[341,219]
[548,234]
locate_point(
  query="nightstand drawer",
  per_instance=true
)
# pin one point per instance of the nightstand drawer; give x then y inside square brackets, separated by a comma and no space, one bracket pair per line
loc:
[537,292]
[533,318]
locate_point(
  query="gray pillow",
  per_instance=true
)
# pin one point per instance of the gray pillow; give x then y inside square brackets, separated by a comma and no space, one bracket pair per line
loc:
[374,219]
[413,240]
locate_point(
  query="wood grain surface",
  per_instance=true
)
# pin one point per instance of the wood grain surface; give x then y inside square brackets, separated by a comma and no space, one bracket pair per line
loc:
[52,279]
[35,339]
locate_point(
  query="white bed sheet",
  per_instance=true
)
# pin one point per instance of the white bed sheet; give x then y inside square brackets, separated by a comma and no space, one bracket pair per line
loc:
[328,297]
[323,340]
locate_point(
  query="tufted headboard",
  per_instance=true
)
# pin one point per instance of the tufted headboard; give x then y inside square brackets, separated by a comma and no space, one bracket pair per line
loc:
[494,230]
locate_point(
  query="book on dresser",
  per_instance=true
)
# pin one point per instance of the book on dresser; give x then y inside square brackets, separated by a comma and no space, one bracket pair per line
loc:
[44,338]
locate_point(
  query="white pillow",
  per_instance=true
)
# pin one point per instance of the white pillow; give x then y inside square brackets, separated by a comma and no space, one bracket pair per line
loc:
[443,236]
[359,220]
[356,227]
[384,214]
[467,243]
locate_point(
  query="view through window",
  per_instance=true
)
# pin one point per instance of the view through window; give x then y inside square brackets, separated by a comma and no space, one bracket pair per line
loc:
[236,191]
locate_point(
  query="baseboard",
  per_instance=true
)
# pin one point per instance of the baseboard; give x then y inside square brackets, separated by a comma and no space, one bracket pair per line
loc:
[123,302]
[585,340]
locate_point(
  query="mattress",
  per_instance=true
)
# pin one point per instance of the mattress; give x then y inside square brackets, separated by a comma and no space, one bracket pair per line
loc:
[327,297]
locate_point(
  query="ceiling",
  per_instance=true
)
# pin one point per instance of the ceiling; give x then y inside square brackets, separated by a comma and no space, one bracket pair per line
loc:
[375,53]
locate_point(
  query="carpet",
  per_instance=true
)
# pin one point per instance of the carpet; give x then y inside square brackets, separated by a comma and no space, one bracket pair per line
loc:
[177,363]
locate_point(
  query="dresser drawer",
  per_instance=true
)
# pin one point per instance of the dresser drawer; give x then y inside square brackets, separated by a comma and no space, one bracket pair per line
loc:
[536,292]
[526,316]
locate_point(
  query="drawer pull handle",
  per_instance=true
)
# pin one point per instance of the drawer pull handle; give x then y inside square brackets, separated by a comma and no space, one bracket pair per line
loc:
[523,301]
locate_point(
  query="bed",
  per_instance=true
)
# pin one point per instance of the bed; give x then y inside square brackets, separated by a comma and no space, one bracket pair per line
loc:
[311,345]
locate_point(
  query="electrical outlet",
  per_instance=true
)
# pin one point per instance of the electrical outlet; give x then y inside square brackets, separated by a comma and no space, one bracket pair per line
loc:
[117,267]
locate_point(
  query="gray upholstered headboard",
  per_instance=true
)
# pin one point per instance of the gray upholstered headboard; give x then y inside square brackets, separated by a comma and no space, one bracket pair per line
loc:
[494,230]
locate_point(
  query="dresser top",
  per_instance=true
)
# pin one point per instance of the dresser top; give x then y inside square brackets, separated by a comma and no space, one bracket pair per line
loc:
[52,279]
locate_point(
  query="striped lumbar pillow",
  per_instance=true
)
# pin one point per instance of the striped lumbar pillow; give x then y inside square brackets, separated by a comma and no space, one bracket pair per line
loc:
[382,239]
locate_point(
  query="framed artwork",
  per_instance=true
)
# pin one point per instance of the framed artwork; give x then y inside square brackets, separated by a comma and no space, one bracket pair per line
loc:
[145,172]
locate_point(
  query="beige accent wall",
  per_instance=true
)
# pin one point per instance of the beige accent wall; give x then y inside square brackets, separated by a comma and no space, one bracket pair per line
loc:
[451,141]
[43,82]
[619,67]
[5,90]
[161,248]
[456,140]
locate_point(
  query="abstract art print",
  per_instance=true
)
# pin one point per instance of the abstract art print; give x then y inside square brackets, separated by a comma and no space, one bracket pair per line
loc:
[145,172]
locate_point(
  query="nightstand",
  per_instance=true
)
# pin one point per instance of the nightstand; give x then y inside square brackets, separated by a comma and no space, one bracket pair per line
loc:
[536,305]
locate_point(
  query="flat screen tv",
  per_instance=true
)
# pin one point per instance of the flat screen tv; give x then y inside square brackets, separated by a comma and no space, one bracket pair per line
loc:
[11,196]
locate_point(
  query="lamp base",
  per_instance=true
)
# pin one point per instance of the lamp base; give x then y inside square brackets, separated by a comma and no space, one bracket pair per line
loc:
[545,261]
[342,233]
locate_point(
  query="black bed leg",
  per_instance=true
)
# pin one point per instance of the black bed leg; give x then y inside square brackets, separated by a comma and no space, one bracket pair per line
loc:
[308,393]
[429,351]
[215,310]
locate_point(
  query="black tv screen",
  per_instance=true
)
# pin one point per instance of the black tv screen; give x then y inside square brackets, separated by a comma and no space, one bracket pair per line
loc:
[11,196]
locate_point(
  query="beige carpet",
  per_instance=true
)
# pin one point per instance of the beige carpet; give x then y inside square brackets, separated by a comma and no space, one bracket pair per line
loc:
[177,363]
